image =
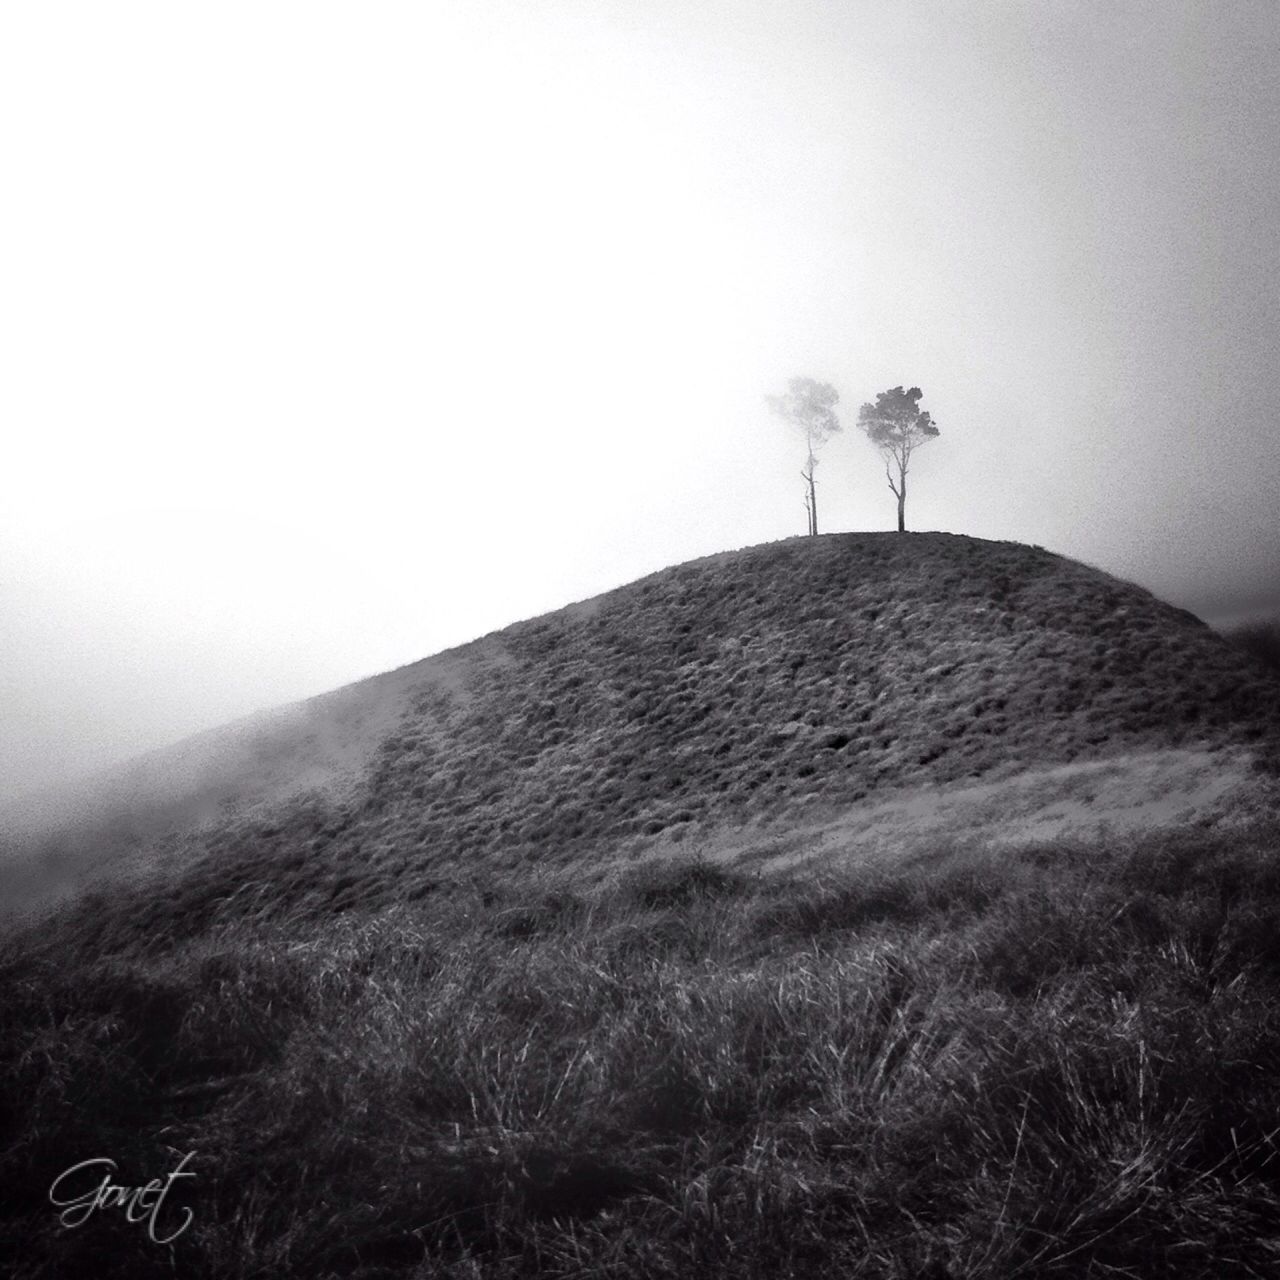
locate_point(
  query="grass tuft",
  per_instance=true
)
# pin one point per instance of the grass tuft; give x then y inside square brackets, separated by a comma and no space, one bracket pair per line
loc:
[1050,1062]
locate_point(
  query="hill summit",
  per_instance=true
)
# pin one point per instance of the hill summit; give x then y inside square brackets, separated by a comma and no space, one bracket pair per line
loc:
[718,704]
[492,935]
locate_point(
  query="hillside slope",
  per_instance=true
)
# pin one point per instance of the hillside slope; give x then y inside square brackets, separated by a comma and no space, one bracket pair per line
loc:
[427,997]
[750,692]
[322,746]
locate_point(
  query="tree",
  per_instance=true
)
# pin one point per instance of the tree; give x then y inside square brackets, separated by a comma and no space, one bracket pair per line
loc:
[897,426]
[808,405]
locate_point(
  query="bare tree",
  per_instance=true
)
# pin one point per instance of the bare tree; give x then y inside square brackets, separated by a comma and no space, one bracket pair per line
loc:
[809,405]
[897,426]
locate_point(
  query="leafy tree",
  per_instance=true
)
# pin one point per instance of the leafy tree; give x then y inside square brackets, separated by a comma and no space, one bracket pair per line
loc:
[809,405]
[897,426]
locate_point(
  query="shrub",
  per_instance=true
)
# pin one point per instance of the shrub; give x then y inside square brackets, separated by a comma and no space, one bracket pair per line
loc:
[1261,640]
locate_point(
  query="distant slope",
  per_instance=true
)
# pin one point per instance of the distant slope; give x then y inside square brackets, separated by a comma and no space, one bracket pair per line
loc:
[1260,640]
[324,745]
[766,687]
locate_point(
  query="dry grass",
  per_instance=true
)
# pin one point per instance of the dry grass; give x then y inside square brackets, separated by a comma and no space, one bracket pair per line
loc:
[753,687]
[410,1030]
[1058,1062]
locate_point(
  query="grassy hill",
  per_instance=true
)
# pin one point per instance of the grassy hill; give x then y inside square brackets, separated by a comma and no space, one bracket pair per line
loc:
[492,985]
[52,840]
[708,705]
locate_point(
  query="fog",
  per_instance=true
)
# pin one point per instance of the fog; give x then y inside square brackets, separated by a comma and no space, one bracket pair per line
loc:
[337,335]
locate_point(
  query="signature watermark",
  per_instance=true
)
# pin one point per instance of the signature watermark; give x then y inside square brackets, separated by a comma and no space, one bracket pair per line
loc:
[87,1187]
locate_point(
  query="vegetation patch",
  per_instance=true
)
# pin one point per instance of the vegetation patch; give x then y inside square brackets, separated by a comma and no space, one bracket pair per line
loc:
[737,688]
[1057,1061]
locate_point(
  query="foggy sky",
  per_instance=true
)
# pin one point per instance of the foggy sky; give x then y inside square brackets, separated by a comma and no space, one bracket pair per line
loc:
[336,335]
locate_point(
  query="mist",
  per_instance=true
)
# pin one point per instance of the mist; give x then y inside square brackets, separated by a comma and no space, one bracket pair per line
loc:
[336,338]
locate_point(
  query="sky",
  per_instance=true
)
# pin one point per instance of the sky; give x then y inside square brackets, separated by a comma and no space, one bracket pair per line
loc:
[335,335]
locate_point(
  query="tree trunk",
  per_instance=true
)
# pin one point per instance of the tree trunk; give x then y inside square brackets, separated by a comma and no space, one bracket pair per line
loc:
[813,503]
[902,506]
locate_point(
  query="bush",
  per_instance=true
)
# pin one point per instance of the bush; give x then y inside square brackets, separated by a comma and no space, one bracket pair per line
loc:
[678,882]
[1261,640]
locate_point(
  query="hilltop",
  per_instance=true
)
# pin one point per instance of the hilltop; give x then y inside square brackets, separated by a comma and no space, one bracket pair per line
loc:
[472,970]
[722,704]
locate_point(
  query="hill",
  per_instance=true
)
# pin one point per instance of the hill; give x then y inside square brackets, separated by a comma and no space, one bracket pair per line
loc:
[51,840]
[721,703]
[487,984]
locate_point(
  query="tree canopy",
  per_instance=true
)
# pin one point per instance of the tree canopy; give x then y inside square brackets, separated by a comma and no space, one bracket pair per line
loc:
[897,426]
[810,406]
